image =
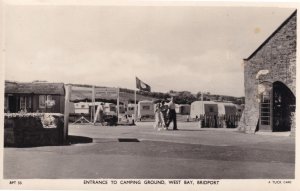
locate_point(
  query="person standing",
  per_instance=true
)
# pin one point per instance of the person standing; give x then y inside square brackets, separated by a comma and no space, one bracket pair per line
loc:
[164,112]
[99,115]
[172,114]
[159,121]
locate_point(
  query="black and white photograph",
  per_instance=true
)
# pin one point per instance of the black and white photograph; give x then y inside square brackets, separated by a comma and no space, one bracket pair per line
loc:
[145,95]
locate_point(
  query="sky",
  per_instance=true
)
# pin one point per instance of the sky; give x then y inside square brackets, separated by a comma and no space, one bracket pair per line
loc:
[181,48]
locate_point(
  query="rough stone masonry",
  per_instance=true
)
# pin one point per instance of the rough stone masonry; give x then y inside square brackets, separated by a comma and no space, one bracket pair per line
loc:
[274,60]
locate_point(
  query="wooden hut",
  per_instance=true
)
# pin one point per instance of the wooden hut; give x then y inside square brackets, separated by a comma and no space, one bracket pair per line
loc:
[34,97]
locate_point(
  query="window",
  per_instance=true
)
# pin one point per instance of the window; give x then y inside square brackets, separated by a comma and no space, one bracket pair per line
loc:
[146,107]
[42,101]
[265,106]
[113,108]
[29,102]
[130,108]
[22,102]
[46,101]
[5,102]
[265,103]
[25,102]
[49,97]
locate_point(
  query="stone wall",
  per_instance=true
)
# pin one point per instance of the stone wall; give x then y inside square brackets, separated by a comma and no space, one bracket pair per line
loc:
[277,57]
[26,130]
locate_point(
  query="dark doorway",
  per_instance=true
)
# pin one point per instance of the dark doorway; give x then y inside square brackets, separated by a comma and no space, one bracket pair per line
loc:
[13,104]
[283,106]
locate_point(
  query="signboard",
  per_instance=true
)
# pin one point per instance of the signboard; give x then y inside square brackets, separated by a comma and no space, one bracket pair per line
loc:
[100,92]
[81,89]
[106,92]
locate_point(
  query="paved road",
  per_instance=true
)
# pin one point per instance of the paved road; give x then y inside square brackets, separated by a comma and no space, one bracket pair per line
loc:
[188,153]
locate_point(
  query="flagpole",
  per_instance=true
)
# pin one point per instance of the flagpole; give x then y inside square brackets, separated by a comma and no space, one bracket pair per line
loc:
[202,104]
[135,106]
[135,86]
[93,104]
[118,103]
[140,86]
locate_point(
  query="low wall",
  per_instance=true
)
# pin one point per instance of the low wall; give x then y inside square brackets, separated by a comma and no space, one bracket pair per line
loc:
[33,129]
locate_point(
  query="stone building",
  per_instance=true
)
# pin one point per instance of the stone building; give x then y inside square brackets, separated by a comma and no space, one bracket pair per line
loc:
[270,82]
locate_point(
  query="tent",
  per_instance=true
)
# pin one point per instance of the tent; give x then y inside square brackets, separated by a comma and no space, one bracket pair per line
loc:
[227,108]
[203,107]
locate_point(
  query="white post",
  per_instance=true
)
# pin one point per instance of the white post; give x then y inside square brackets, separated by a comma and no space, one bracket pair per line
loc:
[118,103]
[93,104]
[25,104]
[135,106]
[200,121]
[68,89]
[45,104]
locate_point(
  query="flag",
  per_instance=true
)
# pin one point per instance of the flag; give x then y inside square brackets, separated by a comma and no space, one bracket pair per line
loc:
[142,86]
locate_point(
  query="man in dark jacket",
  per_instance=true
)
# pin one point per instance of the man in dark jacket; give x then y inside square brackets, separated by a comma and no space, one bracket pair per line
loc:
[172,114]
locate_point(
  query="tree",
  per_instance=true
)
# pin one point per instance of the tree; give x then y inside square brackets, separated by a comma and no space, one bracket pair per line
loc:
[199,95]
[185,97]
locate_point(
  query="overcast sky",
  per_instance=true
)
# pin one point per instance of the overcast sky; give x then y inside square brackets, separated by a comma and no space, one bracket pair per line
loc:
[179,48]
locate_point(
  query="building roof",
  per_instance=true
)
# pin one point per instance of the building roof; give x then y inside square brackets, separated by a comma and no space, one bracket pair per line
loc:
[184,105]
[267,40]
[145,101]
[205,102]
[43,88]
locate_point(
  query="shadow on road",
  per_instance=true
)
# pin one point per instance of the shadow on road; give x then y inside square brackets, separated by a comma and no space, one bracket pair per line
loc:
[128,140]
[79,139]
[187,130]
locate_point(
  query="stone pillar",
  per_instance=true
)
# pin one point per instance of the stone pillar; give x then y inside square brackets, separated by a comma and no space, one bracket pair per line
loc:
[293,124]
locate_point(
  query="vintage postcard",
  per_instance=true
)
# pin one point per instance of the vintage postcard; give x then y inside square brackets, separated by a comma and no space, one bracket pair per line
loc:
[151,95]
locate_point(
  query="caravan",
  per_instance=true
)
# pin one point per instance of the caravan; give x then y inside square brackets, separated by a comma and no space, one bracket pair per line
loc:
[84,109]
[227,109]
[130,109]
[145,110]
[109,108]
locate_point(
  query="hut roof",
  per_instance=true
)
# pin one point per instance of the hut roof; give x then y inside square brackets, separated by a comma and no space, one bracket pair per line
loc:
[41,88]
[221,107]
[184,105]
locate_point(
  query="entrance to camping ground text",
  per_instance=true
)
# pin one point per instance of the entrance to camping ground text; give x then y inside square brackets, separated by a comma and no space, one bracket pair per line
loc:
[283,107]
